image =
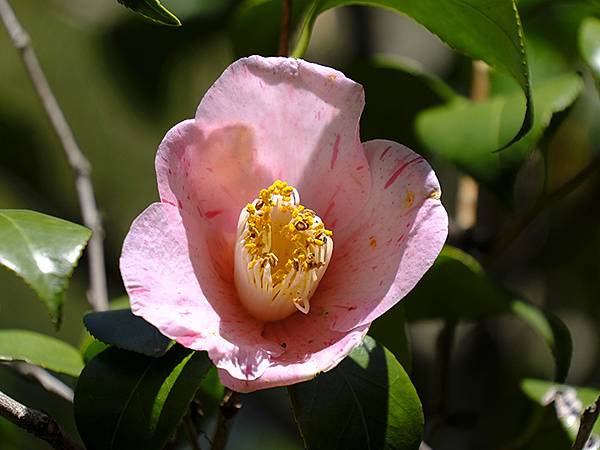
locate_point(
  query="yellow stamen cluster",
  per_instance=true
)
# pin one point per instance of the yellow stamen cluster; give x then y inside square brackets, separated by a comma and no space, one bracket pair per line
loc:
[275,211]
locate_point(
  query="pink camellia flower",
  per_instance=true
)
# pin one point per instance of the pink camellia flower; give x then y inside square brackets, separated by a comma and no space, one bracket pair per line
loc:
[279,236]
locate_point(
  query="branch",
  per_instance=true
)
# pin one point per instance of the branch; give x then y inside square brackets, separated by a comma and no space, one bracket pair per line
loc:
[229,408]
[44,379]
[468,191]
[284,35]
[36,422]
[97,295]
[588,419]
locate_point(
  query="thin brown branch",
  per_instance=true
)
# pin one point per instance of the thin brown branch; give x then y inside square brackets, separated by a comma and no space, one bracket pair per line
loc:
[468,191]
[192,433]
[588,419]
[79,164]
[284,34]
[37,423]
[50,383]
[228,410]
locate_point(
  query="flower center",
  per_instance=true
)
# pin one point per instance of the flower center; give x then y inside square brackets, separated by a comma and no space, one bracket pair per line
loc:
[281,254]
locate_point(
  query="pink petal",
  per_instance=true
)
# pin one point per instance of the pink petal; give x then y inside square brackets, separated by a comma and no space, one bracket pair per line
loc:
[303,122]
[212,174]
[196,308]
[391,244]
[311,347]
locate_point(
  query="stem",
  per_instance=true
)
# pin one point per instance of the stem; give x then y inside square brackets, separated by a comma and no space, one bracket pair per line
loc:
[468,191]
[191,432]
[50,383]
[228,410]
[284,36]
[588,419]
[36,422]
[444,343]
[97,295]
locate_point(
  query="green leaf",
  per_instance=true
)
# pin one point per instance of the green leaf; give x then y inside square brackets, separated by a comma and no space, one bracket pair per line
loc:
[40,350]
[126,331]
[589,45]
[125,400]
[390,331]
[466,133]
[153,10]
[43,250]
[366,402]
[457,288]
[545,392]
[481,29]
[550,328]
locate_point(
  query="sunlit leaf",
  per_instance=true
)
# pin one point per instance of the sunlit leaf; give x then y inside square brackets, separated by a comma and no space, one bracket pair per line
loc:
[43,250]
[153,10]
[467,133]
[366,402]
[126,400]
[126,331]
[40,350]
[589,45]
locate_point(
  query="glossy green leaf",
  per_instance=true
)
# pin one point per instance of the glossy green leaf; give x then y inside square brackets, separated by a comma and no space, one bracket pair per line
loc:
[467,133]
[545,392]
[126,331]
[457,288]
[366,402]
[40,350]
[43,250]
[589,45]
[481,29]
[125,400]
[153,10]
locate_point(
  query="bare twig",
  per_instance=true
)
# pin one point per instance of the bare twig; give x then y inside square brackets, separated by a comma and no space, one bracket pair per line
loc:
[229,408]
[468,191]
[79,164]
[588,419]
[44,379]
[36,422]
[192,433]
[284,34]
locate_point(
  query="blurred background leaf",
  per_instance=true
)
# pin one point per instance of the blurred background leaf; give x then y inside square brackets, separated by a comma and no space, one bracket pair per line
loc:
[40,350]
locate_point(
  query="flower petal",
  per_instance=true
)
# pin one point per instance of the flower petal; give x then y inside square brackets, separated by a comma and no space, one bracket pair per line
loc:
[311,347]
[391,244]
[210,173]
[304,122]
[165,289]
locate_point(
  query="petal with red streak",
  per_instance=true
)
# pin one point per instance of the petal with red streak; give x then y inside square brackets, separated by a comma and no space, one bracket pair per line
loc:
[390,245]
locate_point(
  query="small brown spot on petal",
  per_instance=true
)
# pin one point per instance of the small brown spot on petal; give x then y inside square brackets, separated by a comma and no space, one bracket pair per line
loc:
[435,195]
[409,199]
[373,241]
